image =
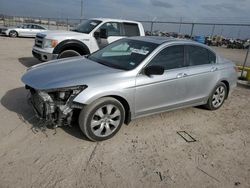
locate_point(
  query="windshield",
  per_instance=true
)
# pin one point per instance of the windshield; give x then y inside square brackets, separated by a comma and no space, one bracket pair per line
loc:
[123,54]
[87,26]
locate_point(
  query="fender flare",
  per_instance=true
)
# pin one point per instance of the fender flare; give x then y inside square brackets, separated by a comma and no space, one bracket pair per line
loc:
[72,44]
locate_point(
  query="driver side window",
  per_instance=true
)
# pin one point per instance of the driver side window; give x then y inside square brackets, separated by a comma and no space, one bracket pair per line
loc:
[170,58]
[113,28]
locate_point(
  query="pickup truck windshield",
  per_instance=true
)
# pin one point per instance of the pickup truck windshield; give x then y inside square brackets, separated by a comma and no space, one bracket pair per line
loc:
[87,26]
[125,54]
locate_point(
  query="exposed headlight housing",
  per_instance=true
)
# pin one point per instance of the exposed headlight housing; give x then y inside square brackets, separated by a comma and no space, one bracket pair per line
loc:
[66,93]
[49,43]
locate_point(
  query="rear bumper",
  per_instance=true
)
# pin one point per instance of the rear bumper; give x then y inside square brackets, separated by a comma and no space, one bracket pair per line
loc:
[42,55]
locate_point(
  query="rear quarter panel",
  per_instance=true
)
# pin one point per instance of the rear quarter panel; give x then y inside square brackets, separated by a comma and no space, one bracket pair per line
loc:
[227,72]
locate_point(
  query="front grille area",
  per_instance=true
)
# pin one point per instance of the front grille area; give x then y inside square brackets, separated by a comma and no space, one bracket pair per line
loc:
[37,55]
[2,30]
[39,41]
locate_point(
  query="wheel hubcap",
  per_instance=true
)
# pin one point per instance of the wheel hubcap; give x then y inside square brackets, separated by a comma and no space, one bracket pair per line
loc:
[218,96]
[105,120]
[13,34]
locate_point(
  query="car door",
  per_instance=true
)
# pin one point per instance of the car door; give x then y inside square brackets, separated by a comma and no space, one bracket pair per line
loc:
[34,30]
[202,74]
[114,33]
[23,31]
[162,92]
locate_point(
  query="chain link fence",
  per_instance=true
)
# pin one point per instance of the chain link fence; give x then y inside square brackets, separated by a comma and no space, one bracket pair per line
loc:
[181,29]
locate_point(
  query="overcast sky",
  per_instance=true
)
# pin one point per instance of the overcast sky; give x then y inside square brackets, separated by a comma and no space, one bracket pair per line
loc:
[237,11]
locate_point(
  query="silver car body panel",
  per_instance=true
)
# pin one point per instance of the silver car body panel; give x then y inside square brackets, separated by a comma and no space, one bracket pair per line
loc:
[177,88]
[25,32]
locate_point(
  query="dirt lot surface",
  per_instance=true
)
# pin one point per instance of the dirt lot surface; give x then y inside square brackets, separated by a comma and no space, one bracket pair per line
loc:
[147,153]
[236,55]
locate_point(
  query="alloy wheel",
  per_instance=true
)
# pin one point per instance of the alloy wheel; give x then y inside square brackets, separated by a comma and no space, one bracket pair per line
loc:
[218,96]
[105,120]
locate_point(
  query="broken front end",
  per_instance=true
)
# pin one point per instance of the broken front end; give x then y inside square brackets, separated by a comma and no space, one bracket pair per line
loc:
[55,107]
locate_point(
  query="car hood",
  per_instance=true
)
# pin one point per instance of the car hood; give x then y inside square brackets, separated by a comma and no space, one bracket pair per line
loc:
[65,73]
[60,33]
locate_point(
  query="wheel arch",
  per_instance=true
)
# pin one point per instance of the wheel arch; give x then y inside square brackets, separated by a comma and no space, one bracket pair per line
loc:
[71,44]
[14,31]
[125,103]
[126,106]
[227,85]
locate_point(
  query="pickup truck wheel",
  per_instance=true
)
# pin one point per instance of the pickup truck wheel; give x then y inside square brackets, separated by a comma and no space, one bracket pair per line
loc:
[13,34]
[102,119]
[217,97]
[68,53]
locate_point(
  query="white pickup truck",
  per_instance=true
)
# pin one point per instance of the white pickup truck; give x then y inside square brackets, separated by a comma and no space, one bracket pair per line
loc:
[87,38]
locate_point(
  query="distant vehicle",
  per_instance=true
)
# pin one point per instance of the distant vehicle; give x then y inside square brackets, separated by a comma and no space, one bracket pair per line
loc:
[236,44]
[214,40]
[87,38]
[24,30]
[128,79]
[247,43]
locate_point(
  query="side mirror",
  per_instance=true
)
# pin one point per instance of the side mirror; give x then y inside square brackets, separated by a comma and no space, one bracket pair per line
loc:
[154,70]
[103,33]
[97,34]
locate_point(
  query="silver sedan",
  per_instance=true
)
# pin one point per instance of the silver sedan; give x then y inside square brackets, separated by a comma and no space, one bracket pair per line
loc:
[130,78]
[25,30]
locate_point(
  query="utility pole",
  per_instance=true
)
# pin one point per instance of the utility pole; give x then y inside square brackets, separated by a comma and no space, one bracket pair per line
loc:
[192,30]
[81,9]
[245,62]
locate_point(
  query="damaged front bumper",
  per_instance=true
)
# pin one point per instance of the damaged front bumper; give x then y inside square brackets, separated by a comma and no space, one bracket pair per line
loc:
[54,108]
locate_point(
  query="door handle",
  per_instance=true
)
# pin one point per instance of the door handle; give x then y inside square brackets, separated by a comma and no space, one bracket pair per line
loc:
[214,69]
[181,75]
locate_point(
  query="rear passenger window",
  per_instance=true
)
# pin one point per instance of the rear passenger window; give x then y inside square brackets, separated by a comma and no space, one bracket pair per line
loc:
[131,29]
[197,55]
[170,58]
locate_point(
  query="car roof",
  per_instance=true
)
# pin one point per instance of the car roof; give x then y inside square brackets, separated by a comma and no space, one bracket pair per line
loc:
[30,24]
[161,40]
[114,20]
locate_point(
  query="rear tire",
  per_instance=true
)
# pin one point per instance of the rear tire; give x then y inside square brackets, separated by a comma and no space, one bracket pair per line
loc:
[102,119]
[217,97]
[68,53]
[13,34]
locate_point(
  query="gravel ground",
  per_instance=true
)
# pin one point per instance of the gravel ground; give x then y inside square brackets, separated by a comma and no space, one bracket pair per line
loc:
[147,153]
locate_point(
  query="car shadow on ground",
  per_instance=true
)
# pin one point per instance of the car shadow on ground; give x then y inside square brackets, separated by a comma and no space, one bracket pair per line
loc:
[15,100]
[29,61]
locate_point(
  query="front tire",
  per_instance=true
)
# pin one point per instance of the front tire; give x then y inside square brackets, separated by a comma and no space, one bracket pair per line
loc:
[13,34]
[102,119]
[217,97]
[68,53]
